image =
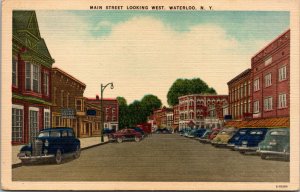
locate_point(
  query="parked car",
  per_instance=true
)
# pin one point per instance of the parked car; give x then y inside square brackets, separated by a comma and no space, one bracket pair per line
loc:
[213,135]
[237,137]
[107,131]
[199,133]
[251,140]
[205,136]
[51,144]
[276,143]
[140,131]
[125,135]
[223,136]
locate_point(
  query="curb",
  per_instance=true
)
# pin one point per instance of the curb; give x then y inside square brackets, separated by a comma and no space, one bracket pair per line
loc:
[16,165]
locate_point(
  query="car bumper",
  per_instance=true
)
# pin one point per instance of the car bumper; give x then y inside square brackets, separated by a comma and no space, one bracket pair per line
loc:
[245,148]
[25,158]
[218,143]
[230,146]
[204,140]
[278,153]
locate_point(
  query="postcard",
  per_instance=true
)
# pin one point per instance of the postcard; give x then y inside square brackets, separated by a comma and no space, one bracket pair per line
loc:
[150,95]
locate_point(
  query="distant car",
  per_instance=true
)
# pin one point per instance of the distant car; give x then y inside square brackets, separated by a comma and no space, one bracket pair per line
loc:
[223,136]
[237,137]
[276,143]
[205,136]
[163,131]
[108,131]
[125,135]
[51,144]
[250,141]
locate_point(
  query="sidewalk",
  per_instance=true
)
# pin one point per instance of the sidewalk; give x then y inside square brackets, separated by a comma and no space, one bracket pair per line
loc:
[85,144]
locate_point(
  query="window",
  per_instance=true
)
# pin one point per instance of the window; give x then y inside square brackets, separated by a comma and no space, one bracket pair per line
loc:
[67,99]
[268,103]
[33,123]
[245,89]
[46,118]
[62,98]
[256,107]
[17,123]
[282,101]
[79,105]
[249,88]
[249,106]
[46,84]
[14,71]
[54,95]
[268,80]
[282,73]
[268,61]
[32,77]
[256,84]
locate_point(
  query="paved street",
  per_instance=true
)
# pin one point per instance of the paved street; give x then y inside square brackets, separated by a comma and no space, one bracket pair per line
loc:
[159,158]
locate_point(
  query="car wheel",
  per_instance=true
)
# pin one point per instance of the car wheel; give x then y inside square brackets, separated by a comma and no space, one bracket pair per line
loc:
[137,139]
[58,156]
[263,156]
[119,139]
[77,152]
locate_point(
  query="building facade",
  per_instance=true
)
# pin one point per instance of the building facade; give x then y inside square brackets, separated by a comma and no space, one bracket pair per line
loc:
[69,107]
[111,111]
[175,117]
[239,89]
[31,79]
[271,79]
[199,110]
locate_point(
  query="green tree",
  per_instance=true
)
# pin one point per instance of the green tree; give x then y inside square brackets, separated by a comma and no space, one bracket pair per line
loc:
[121,101]
[150,103]
[183,87]
[123,111]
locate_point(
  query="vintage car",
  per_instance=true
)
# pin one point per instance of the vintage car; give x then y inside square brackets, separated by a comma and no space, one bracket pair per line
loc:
[51,144]
[275,144]
[163,131]
[137,129]
[213,135]
[250,141]
[223,136]
[205,136]
[125,135]
[237,137]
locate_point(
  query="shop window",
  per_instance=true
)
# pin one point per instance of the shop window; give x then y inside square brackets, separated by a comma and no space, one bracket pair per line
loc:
[17,124]
[46,119]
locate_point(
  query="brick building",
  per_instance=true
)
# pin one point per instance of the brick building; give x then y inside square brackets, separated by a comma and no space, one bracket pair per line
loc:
[70,108]
[31,78]
[271,79]
[239,89]
[111,111]
[175,117]
[198,110]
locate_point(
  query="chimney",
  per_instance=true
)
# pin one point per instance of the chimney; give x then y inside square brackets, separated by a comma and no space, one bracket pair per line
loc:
[97,97]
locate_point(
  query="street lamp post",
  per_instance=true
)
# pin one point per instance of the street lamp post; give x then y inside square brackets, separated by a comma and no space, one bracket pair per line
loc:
[101,105]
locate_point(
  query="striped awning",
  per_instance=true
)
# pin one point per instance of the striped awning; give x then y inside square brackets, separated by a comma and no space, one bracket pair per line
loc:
[266,122]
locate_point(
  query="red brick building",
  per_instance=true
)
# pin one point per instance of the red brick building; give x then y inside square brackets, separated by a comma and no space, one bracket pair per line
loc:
[111,111]
[239,89]
[175,117]
[271,79]
[198,110]
[31,78]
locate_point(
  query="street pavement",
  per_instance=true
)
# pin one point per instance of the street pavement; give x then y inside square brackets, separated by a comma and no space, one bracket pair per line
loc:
[160,157]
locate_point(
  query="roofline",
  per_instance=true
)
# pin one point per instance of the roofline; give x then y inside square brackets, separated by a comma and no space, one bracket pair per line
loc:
[68,75]
[202,95]
[104,99]
[242,74]
[270,43]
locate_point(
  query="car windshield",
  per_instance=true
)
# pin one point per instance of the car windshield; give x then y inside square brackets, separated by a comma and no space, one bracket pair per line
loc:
[44,134]
[54,134]
[281,133]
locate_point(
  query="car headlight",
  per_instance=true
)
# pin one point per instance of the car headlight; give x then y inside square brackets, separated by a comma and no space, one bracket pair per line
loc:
[46,143]
[245,142]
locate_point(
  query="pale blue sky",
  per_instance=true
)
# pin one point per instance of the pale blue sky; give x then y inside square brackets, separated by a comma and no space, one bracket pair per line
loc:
[144,52]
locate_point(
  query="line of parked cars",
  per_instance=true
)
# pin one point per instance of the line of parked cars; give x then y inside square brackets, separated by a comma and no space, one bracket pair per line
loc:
[266,142]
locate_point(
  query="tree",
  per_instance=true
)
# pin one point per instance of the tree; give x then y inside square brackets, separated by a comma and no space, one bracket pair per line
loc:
[121,101]
[150,103]
[183,87]
[123,111]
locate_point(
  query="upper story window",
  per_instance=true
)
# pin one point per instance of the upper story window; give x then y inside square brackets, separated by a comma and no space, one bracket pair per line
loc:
[62,98]
[54,95]
[282,101]
[256,107]
[268,61]
[268,80]
[32,77]
[46,83]
[268,103]
[256,84]
[14,72]
[282,73]
[78,104]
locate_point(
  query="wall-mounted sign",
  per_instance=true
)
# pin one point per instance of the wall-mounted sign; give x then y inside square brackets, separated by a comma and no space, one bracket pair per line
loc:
[68,113]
